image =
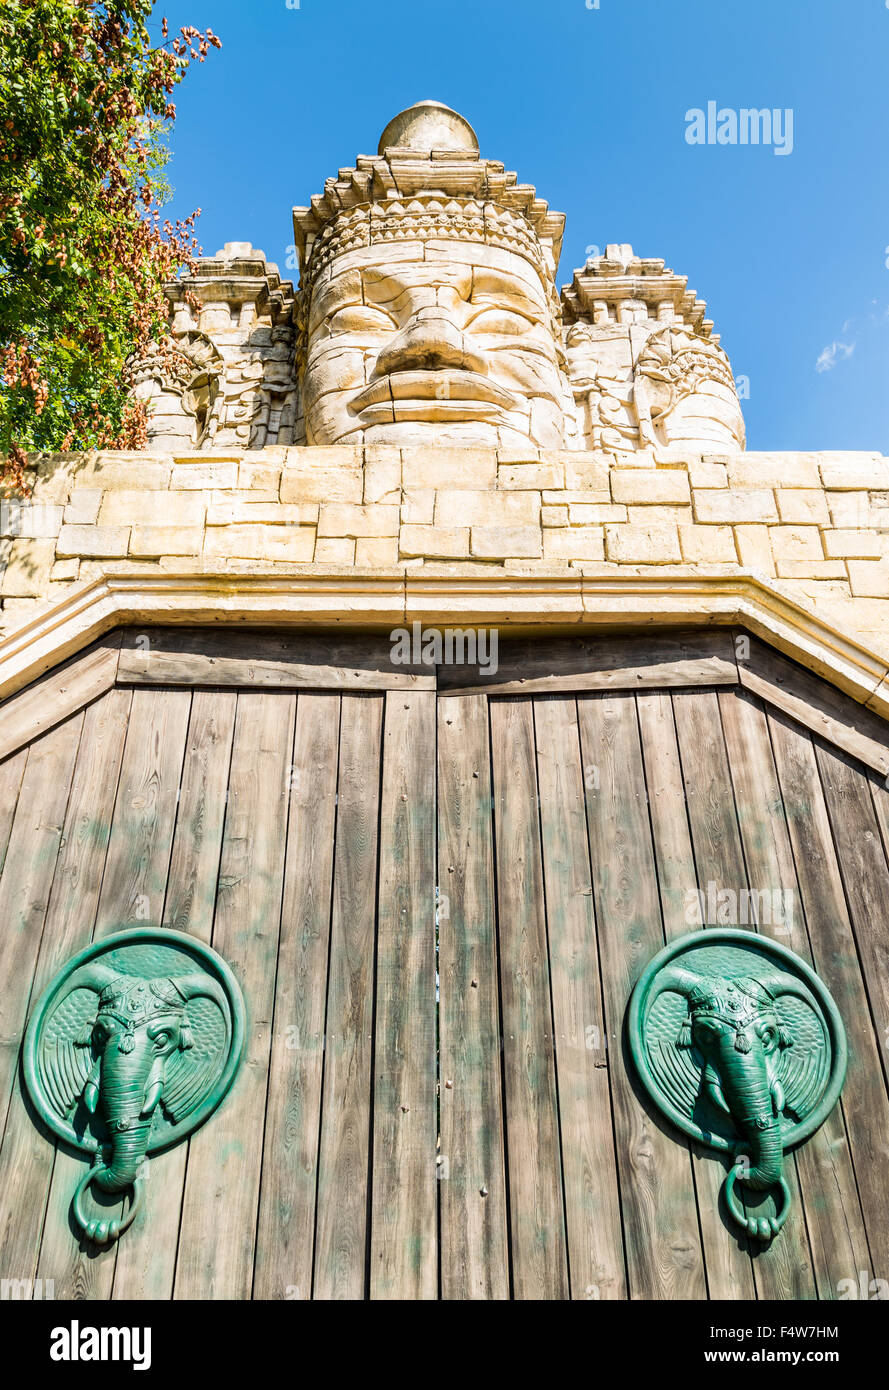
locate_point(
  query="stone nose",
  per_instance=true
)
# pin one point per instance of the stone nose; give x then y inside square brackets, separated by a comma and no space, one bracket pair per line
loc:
[429,342]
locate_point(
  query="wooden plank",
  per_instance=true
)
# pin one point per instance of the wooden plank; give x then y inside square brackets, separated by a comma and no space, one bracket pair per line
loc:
[131,894]
[589,1164]
[534,666]
[865,1106]
[404,1242]
[219,1208]
[135,882]
[681,908]
[661,1233]
[60,693]
[12,770]
[265,660]
[825,1179]
[28,1154]
[816,705]
[472,1193]
[27,880]
[286,1232]
[863,865]
[146,1261]
[341,1237]
[537,1220]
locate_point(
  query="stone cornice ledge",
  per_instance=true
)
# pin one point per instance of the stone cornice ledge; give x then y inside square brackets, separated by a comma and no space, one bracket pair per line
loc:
[448,595]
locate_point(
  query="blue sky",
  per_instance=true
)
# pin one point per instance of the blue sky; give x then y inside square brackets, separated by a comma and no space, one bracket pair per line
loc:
[590,105]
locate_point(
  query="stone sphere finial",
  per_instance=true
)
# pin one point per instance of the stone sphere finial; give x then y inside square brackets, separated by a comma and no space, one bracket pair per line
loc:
[429,125]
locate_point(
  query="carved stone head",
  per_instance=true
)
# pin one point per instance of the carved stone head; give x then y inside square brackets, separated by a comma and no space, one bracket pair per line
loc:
[428,311]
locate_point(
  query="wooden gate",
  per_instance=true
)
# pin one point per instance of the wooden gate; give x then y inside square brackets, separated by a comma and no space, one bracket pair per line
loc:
[437,893]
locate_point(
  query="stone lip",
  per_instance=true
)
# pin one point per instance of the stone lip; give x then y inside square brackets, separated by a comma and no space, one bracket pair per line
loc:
[428,125]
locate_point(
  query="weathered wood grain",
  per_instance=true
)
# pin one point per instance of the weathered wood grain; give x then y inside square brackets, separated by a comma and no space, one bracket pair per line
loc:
[218,1231]
[12,770]
[254,658]
[539,1256]
[404,1243]
[534,666]
[286,1231]
[60,693]
[341,1238]
[146,1260]
[592,1200]
[661,1235]
[472,1193]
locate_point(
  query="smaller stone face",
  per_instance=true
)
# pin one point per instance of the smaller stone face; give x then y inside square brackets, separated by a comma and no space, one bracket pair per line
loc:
[441,343]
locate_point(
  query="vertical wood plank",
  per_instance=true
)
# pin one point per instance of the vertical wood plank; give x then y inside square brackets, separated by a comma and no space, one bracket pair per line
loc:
[474,1242]
[285,1239]
[219,1209]
[341,1230]
[132,893]
[660,1219]
[404,1243]
[533,1152]
[589,1164]
[146,1260]
[12,770]
[28,1157]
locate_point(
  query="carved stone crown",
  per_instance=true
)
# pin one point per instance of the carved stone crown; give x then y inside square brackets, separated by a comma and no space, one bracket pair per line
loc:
[133,1002]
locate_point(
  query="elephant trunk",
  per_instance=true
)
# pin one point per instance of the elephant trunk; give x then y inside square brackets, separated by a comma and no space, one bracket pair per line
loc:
[123,1092]
[748,1092]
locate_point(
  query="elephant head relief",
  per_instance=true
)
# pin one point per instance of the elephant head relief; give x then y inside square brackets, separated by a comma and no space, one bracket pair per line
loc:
[123,1061]
[740,1044]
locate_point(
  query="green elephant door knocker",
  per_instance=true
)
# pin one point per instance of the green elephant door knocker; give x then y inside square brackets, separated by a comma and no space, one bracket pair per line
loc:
[741,1046]
[134,1044]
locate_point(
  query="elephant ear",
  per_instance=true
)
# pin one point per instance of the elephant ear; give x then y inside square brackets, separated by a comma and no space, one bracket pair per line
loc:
[194,1070]
[65,1058]
[803,1073]
[676,1073]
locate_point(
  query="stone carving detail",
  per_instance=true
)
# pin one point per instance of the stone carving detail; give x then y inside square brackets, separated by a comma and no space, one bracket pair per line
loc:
[427,313]
[740,1044]
[134,1044]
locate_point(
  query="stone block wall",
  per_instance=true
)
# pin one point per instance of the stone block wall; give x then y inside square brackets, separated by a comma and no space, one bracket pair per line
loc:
[818,523]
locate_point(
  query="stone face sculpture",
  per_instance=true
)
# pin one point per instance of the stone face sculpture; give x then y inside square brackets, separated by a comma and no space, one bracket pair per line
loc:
[133,1045]
[739,1043]
[427,314]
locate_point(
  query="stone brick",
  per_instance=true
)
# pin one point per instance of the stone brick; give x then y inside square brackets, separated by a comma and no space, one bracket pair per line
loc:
[268,513]
[575,543]
[340,551]
[151,508]
[64,570]
[708,545]
[554,516]
[659,516]
[341,519]
[30,519]
[83,507]
[28,568]
[643,545]
[595,513]
[262,476]
[870,578]
[319,484]
[754,470]
[588,474]
[802,506]
[382,475]
[487,508]
[418,506]
[810,569]
[727,505]
[295,543]
[195,477]
[708,474]
[855,545]
[754,548]
[100,542]
[497,542]
[796,543]
[166,540]
[850,509]
[851,472]
[650,486]
[435,542]
[531,475]
[376,552]
[135,471]
[449,468]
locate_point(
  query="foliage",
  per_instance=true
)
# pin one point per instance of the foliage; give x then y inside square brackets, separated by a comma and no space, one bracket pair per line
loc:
[85,114]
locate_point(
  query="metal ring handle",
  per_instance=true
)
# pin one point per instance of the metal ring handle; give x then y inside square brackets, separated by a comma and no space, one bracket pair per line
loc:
[98,1231]
[762,1227]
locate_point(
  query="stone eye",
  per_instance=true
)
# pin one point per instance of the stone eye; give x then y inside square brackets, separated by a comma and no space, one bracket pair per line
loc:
[499,321]
[355,318]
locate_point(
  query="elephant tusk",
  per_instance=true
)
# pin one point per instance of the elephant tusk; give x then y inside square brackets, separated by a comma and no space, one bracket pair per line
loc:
[91,1096]
[152,1096]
